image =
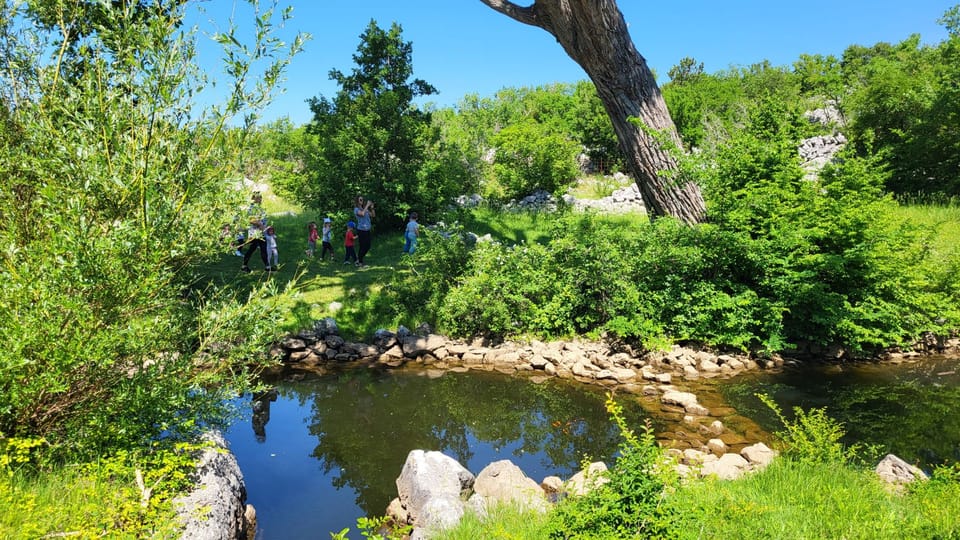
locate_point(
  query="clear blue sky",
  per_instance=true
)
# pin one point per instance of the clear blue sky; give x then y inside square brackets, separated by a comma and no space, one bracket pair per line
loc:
[464,47]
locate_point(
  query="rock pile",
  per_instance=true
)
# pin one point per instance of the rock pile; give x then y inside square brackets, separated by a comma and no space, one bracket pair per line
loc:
[435,491]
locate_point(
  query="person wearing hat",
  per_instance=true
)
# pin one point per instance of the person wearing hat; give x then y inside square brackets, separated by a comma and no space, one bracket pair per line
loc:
[327,244]
[348,242]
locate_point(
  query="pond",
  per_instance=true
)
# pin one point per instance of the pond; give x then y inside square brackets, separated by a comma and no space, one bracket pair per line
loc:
[325,450]
[911,409]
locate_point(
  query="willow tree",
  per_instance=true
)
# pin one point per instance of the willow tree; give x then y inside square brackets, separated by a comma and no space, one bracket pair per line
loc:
[595,35]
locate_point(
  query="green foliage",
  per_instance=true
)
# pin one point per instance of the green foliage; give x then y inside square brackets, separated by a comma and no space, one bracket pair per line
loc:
[530,158]
[371,139]
[113,190]
[503,521]
[129,493]
[379,528]
[812,436]
[903,102]
[631,503]
[17,453]
[802,500]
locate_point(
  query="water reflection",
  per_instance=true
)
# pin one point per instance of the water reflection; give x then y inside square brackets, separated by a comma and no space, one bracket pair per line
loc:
[261,412]
[911,409]
[355,430]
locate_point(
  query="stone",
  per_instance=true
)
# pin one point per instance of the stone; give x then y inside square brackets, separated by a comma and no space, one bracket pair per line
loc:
[894,470]
[538,362]
[215,509]
[716,447]
[504,482]
[432,487]
[758,454]
[586,480]
[552,485]
[728,467]
[674,397]
[414,346]
[293,343]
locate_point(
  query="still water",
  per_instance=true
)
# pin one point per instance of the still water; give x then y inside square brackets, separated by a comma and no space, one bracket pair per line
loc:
[325,450]
[910,409]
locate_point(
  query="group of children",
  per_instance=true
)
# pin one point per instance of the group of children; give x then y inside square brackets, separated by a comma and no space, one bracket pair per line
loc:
[410,235]
[260,236]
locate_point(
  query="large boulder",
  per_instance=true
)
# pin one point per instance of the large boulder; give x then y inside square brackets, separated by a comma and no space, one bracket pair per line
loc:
[432,488]
[728,467]
[504,482]
[216,508]
[759,454]
[595,475]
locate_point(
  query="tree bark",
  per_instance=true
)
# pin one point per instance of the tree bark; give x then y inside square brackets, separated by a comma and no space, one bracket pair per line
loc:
[595,35]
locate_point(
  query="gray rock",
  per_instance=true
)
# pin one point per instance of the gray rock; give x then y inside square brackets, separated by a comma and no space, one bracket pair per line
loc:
[216,508]
[894,470]
[504,482]
[758,454]
[432,487]
[728,467]
[581,483]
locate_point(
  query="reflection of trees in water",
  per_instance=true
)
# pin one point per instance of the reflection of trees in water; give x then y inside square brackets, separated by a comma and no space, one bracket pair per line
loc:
[911,410]
[366,422]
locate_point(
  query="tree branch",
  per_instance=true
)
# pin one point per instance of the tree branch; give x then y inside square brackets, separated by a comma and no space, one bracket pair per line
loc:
[526,15]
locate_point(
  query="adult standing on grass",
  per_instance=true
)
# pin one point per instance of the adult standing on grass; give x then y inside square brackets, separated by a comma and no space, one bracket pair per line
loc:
[363,212]
[257,218]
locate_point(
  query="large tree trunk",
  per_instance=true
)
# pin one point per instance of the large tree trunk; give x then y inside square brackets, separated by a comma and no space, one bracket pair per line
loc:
[595,35]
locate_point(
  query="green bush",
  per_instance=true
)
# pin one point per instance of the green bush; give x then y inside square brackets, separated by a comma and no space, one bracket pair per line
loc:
[632,504]
[113,190]
[529,157]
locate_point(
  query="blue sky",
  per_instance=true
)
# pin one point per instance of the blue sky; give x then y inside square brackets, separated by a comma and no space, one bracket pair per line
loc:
[464,47]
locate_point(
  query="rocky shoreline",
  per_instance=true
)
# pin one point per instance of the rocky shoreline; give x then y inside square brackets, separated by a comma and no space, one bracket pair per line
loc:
[660,379]
[701,444]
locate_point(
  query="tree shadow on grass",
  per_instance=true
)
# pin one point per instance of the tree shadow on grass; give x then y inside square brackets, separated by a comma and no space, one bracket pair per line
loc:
[320,284]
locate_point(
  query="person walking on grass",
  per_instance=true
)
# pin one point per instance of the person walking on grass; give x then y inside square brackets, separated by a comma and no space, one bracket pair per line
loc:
[255,241]
[410,234]
[273,254]
[363,212]
[326,239]
[312,236]
[348,243]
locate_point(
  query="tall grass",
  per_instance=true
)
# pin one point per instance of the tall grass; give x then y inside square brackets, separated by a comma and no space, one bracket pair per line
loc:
[793,500]
[94,501]
[502,521]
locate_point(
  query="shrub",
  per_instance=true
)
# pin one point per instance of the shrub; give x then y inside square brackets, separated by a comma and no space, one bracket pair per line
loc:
[632,503]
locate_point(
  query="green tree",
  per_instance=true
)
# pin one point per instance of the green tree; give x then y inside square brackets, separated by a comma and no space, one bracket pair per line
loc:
[371,136]
[112,191]
[529,157]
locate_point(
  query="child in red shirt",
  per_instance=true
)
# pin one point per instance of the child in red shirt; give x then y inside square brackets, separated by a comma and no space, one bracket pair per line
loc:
[348,242]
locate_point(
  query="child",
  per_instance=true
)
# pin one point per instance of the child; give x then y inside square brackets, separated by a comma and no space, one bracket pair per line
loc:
[327,243]
[273,255]
[413,230]
[312,236]
[348,242]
